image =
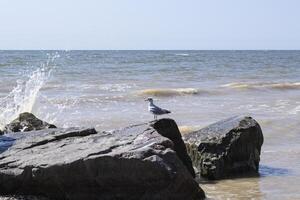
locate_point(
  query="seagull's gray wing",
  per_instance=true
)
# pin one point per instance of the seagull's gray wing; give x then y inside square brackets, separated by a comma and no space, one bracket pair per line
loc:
[158,111]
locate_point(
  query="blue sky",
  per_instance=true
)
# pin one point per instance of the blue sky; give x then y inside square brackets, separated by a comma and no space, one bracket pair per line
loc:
[149,24]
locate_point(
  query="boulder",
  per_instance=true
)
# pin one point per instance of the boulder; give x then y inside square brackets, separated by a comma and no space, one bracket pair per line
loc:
[227,148]
[27,122]
[137,162]
[20,197]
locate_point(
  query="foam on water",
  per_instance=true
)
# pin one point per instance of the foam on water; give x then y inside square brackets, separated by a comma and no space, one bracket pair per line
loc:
[23,97]
[116,87]
[169,91]
[295,111]
[278,86]
[182,54]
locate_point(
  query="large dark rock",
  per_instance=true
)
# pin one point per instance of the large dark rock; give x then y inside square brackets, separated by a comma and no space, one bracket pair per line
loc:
[20,197]
[27,122]
[136,162]
[226,148]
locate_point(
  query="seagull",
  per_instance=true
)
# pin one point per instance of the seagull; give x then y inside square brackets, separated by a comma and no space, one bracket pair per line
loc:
[155,110]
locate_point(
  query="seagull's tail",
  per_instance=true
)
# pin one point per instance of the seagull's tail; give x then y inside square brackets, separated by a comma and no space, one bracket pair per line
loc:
[167,111]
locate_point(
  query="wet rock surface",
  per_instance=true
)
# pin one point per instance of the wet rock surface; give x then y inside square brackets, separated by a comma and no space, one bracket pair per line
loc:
[146,161]
[227,148]
[26,122]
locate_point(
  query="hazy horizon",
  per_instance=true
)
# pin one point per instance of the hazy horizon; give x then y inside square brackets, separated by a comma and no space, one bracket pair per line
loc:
[151,25]
[149,49]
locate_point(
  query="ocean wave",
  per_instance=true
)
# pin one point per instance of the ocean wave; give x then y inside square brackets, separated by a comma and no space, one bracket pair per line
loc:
[85,100]
[283,86]
[277,86]
[117,87]
[236,85]
[182,54]
[295,111]
[120,87]
[3,64]
[170,91]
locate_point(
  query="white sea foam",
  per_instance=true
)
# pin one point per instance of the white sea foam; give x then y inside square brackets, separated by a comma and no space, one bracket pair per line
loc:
[277,86]
[116,87]
[170,91]
[23,97]
[182,54]
[295,111]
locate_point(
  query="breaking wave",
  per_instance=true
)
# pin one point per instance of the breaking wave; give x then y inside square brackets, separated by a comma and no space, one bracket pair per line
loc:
[170,92]
[277,86]
[182,54]
[23,96]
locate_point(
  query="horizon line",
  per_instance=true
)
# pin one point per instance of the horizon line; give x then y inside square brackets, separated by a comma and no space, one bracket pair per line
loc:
[149,49]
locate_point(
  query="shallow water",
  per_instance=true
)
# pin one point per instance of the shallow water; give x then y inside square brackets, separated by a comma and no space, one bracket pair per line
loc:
[106,89]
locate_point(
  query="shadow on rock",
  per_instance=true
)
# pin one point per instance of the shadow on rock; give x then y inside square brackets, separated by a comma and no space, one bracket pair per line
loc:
[5,143]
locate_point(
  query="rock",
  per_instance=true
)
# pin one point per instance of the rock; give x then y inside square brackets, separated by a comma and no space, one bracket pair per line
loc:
[19,197]
[226,148]
[169,129]
[27,122]
[136,162]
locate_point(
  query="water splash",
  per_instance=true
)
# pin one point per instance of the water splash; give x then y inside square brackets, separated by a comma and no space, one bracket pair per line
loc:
[23,97]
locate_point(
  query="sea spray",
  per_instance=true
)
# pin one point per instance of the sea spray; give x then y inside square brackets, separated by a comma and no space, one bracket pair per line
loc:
[23,97]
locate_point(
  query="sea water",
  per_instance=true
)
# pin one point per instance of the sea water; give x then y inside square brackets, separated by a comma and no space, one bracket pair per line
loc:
[106,90]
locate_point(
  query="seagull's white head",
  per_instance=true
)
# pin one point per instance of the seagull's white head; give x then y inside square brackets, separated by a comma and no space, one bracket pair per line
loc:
[149,99]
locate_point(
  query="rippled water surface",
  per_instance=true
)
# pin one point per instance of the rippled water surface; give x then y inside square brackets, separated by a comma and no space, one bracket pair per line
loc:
[106,89]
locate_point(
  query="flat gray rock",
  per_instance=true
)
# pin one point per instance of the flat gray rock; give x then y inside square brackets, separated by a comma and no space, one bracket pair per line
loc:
[136,162]
[226,148]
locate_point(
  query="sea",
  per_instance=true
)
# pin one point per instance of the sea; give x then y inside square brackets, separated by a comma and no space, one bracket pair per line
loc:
[107,90]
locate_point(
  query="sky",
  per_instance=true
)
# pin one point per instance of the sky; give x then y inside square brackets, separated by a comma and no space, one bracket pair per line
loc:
[150,24]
